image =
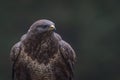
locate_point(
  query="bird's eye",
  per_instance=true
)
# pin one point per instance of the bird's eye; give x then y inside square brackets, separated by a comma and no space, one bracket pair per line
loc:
[44,26]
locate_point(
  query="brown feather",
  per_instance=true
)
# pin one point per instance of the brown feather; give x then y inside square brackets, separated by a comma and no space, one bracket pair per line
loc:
[42,56]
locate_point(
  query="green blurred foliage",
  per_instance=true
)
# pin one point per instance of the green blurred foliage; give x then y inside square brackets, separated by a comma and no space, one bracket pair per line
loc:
[92,27]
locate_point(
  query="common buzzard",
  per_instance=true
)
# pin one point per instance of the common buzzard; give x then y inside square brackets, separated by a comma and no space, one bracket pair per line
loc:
[41,54]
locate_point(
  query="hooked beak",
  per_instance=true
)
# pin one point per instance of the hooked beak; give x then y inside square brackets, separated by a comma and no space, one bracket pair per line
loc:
[52,27]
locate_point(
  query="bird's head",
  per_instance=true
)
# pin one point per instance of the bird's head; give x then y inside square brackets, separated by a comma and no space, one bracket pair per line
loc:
[42,26]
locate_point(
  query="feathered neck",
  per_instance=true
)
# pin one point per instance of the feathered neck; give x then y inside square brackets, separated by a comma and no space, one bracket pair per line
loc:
[36,39]
[38,36]
[41,47]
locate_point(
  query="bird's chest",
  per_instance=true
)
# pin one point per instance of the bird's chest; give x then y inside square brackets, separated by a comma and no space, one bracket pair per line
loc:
[37,70]
[44,52]
[40,71]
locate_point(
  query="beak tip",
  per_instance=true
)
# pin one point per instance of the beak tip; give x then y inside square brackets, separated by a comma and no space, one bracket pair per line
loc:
[52,27]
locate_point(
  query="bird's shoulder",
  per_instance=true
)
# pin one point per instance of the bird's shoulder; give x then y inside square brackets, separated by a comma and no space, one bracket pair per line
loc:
[68,55]
[15,50]
[65,48]
[57,36]
[67,51]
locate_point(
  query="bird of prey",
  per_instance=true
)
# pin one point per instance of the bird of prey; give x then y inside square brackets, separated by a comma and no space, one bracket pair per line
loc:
[41,54]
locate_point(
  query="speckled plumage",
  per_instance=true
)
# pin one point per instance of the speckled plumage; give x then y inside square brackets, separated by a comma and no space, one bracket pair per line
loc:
[41,54]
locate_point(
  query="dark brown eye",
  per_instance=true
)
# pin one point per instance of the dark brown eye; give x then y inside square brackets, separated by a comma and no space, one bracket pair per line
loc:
[44,26]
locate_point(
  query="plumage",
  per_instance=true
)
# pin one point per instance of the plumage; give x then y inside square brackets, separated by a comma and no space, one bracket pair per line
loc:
[41,54]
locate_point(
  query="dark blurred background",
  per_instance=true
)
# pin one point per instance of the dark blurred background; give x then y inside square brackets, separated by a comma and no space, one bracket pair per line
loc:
[92,27]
